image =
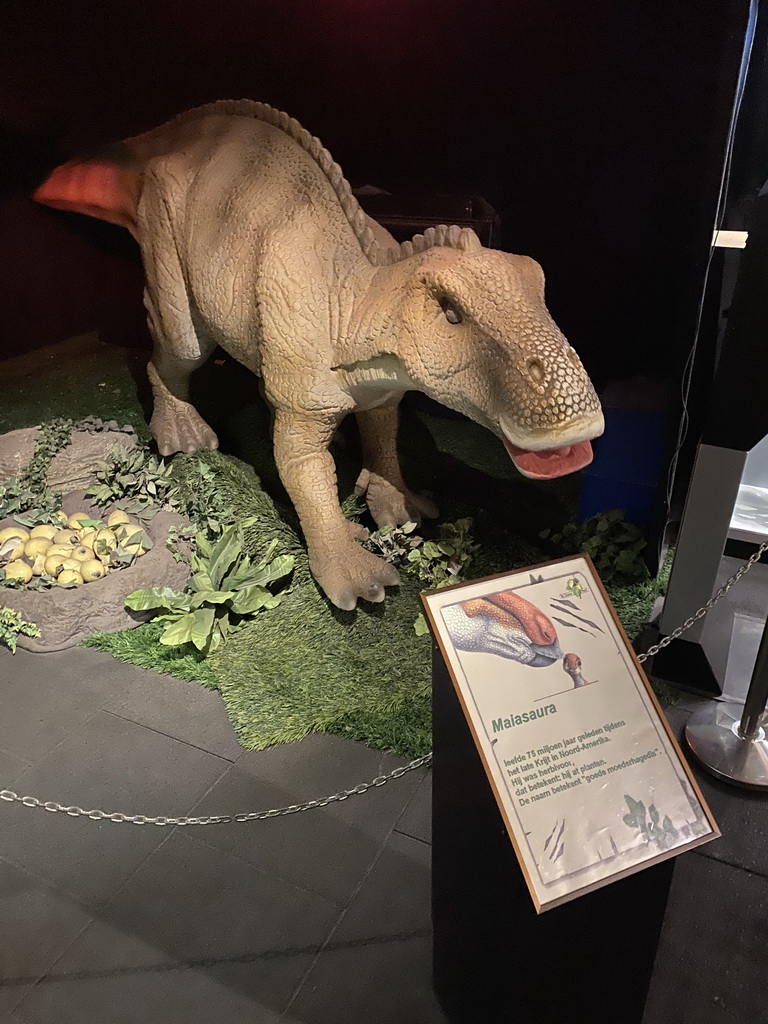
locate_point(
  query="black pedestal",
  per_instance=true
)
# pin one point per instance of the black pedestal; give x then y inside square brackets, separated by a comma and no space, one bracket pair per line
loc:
[495,959]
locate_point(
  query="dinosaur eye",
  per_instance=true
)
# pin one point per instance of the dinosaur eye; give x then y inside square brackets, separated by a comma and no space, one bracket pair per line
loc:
[452,315]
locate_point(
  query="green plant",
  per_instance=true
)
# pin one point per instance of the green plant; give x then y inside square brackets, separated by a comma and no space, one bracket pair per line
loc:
[52,437]
[226,588]
[198,496]
[137,479]
[394,543]
[614,545]
[176,534]
[28,507]
[436,563]
[12,626]
[26,497]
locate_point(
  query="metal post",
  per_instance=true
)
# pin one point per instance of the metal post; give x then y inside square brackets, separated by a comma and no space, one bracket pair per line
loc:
[728,739]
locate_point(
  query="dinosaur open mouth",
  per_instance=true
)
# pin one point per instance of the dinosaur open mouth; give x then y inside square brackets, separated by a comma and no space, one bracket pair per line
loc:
[552,462]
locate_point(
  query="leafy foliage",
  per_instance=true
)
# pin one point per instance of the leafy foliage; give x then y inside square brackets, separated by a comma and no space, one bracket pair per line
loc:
[198,496]
[226,588]
[52,437]
[12,626]
[614,545]
[176,534]
[27,498]
[140,481]
[436,563]
[29,508]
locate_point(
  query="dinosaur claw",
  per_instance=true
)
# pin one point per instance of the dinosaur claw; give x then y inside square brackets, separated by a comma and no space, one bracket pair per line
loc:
[390,504]
[351,573]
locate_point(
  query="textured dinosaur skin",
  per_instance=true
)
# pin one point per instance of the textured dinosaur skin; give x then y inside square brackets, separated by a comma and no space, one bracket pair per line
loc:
[251,239]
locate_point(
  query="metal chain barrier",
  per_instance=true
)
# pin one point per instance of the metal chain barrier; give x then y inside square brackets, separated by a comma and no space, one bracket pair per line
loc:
[380,780]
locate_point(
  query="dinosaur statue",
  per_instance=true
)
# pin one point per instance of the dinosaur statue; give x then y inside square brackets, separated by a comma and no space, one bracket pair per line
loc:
[504,624]
[252,240]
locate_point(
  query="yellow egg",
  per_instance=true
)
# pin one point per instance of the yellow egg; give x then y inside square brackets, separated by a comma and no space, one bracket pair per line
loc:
[66,537]
[69,576]
[13,531]
[76,520]
[17,570]
[91,570]
[36,546]
[38,566]
[44,531]
[12,548]
[60,549]
[104,543]
[54,564]
[82,553]
[117,517]
[132,538]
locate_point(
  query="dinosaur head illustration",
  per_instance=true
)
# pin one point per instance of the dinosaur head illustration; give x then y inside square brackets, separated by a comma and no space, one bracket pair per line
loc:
[504,624]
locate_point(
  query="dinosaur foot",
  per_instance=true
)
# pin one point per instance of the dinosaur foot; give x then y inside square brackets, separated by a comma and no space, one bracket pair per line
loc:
[178,427]
[351,573]
[390,505]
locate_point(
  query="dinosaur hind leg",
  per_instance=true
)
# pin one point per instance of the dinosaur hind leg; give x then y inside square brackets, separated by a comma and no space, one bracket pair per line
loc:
[181,345]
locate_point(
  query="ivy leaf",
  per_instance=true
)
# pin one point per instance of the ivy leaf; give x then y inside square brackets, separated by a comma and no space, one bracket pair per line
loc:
[420,627]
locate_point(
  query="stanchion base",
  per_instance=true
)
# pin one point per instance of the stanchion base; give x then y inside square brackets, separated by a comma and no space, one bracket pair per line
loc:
[712,735]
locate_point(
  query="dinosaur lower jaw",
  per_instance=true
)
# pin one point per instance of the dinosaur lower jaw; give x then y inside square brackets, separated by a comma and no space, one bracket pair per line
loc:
[550,463]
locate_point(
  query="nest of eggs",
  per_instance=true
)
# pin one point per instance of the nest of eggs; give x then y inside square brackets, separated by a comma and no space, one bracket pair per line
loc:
[78,549]
[72,578]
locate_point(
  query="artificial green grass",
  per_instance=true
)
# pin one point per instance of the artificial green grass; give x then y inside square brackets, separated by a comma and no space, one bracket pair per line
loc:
[306,665]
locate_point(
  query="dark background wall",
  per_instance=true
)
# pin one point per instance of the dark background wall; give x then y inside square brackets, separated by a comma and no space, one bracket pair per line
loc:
[595,129]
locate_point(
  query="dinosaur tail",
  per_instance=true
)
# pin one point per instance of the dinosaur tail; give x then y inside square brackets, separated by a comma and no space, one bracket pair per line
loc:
[103,187]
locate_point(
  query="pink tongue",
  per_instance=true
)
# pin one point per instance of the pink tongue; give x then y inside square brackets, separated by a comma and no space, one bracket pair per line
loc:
[545,465]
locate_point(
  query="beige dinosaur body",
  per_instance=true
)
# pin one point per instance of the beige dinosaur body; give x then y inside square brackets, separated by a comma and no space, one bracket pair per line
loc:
[252,240]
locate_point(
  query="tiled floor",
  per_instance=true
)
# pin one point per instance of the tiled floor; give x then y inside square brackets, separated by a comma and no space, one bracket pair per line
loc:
[319,918]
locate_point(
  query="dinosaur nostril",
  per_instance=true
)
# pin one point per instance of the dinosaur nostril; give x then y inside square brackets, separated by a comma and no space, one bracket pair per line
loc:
[535,369]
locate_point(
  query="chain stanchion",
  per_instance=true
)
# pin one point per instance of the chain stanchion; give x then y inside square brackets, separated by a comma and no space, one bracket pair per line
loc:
[420,762]
[729,739]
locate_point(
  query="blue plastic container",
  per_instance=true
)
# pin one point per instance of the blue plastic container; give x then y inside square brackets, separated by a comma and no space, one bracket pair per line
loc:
[628,461]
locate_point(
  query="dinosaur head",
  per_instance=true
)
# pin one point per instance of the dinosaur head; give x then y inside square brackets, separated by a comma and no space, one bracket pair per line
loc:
[477,337]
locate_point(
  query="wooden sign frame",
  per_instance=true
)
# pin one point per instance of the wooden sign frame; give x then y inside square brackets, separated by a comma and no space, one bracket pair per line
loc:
[622,672]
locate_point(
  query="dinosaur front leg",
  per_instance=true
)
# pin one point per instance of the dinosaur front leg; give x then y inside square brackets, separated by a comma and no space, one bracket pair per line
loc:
[343,569]
[389,501]
[176,425]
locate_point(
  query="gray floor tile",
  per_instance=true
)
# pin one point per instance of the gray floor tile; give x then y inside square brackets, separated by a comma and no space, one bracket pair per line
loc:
[376,967]
[184,710]
[36,926]
[712,954]
[113,765]
[416,819]
[329,850]
[195,936]
[43,697]
[11,767]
